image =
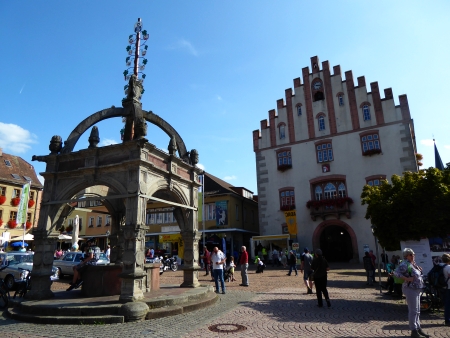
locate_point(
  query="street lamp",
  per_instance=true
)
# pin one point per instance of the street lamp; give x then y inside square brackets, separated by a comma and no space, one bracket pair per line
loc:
[378,257]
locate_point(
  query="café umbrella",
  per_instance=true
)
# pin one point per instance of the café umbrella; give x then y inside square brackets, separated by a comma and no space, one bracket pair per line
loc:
[19,244]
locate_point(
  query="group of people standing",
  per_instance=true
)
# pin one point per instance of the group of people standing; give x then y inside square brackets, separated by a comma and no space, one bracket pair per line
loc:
[216,262]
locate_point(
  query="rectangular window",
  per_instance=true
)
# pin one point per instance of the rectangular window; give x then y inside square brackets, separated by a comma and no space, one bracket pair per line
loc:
[16,193]
[70,221]
[27,178]
[341,100]
[91,222]
[210,212]
[32,195]
[287,199]
[299,110]
[12,216]
[8,163]
[16,177]
[370,143]
[28,217]
[237,212]
[324,152]
[1,214]
[108,221]
[99,221]
[159,217]
[2,191]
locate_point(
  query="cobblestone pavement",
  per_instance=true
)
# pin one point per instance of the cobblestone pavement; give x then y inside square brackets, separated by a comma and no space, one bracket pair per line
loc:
[275,305]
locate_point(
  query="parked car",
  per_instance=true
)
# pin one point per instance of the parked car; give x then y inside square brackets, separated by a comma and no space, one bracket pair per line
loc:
[17,264]
[66,263]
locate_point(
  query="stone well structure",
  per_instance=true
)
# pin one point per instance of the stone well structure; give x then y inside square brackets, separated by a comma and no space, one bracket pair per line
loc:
[134,171]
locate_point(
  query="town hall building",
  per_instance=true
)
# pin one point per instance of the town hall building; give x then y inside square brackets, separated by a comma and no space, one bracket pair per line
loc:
[327,139]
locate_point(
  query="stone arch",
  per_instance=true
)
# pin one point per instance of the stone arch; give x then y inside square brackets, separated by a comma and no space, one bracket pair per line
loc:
[162,185]
[108,113]
[336,222]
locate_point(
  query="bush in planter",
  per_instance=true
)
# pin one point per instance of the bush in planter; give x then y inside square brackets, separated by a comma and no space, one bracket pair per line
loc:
[12,224]
[29,225]
[15,201]
[30,203]
[2,199]
[1,222]
[69,228]
[371,152]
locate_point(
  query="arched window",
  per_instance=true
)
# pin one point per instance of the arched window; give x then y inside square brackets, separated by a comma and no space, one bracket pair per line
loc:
[330,191]
[321,122]
[366,112]
[341,99]
[281,131]
[318,192]
[299,110]
[318,96]
[341,190]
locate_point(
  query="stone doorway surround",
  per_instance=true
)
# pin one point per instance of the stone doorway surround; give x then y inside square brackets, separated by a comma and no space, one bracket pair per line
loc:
[335,222]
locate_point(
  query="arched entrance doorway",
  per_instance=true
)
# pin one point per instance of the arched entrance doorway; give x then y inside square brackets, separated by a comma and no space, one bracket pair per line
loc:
[336,244]
[337,241]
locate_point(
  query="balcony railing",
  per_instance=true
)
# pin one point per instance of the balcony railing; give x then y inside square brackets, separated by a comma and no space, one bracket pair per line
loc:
[330,207]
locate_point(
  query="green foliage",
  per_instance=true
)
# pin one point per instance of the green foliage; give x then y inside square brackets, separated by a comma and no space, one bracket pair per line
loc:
[412,207]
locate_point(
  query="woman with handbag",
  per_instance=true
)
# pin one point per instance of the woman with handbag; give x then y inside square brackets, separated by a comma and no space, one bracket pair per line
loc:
[320,267]
[411,273]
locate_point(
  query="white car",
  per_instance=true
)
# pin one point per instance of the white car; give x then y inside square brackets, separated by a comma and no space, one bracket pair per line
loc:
[17,266]
[66,263]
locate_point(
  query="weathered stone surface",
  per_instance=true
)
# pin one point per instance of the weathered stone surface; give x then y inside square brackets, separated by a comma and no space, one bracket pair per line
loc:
[134,311]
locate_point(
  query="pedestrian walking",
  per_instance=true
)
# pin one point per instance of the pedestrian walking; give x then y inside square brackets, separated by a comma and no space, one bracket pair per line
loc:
[243,261]
[292,260]
[411,273]
[320,268]
[206,260]
[305,268]
[368,266]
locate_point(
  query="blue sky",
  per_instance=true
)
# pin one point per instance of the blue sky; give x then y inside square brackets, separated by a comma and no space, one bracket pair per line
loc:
[215,68]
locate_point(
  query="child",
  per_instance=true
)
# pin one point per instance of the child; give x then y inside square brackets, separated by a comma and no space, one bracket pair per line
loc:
[232,266]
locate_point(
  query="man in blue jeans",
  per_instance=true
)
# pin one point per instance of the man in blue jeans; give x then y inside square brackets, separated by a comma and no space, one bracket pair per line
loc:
[218,260]
[292,260]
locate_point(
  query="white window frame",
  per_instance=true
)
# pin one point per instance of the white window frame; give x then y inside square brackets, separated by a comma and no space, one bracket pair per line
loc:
[91,222]
[99,221]
[366,112]
[321,122]
[282,131]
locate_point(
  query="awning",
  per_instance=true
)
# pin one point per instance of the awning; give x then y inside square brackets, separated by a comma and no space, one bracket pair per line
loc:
[28,237]
[271,237]
[206,231]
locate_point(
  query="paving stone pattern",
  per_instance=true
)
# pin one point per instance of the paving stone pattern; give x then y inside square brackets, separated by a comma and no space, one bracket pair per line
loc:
[275,305]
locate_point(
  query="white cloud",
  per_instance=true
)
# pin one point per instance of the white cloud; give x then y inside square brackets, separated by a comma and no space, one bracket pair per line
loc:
[184,44]
[448,146]
[15,139]
[427,142]
[108,142]
[219,97]
[201,166]
[230,178]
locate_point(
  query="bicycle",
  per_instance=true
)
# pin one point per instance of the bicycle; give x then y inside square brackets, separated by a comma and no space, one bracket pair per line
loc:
[431,297]
[4,293]
[24,286]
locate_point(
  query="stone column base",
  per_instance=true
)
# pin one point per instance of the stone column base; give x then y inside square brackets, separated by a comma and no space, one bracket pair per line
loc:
[190,277]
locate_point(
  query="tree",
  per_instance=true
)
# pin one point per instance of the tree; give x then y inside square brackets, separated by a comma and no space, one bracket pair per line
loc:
[412,207]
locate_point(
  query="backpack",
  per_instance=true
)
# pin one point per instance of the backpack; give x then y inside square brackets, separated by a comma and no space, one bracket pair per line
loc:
[436,276]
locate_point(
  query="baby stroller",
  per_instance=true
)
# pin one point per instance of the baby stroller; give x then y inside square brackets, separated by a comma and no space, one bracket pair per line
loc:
[261,267]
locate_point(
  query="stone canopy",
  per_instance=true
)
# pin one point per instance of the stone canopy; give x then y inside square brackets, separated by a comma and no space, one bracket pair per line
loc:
[134,172]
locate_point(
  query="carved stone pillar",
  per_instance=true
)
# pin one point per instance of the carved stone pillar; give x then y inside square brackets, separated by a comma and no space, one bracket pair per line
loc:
[191,256]
[42,266]
[133,255]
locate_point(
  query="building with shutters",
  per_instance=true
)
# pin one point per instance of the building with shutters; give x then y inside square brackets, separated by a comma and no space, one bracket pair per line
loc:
[327,138]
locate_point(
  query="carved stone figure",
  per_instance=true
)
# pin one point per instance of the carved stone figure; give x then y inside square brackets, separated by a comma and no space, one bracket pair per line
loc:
[55,145]
[39,158]
[140,128]
[173,146]
[134,88]
[94,138]
[193,156]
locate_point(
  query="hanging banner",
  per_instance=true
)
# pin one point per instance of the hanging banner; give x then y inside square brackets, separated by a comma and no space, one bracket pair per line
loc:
[23,205]
[291,221]
[221,213]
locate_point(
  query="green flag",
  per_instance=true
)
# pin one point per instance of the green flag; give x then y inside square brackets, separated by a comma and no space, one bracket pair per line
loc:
[23,205]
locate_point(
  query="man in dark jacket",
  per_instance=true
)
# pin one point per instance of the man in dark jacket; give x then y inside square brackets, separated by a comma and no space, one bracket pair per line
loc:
[206,260]
[369,267]
[292,261]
